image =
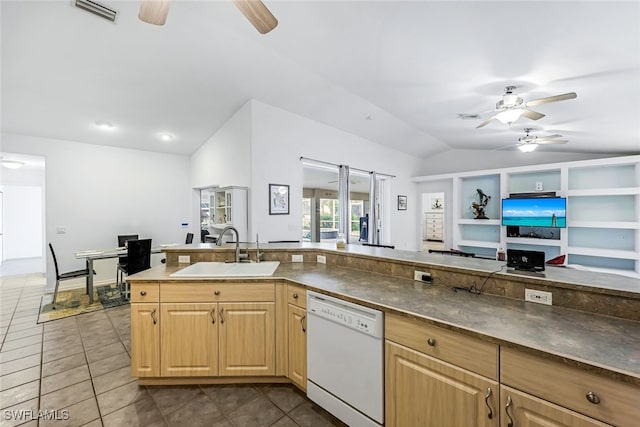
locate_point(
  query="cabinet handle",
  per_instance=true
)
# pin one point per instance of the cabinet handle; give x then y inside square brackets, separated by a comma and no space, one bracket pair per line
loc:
[302,322]
[506,410]
[295,296]
[486,402]
[222,315]
[143,293]
[212,313]
[153,316]
[216,292]
[431,342]
[593,398]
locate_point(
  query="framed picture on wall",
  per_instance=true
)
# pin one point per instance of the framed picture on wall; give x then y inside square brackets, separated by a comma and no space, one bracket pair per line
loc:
[402,203]
[278,199]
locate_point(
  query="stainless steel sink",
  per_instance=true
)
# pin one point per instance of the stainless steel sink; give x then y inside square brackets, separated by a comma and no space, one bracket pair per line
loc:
[224,269]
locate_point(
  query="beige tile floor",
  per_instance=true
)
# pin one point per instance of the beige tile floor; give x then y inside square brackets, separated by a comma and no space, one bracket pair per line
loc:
[75,372]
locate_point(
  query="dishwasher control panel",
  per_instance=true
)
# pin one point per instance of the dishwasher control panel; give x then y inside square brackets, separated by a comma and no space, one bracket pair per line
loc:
[364,319]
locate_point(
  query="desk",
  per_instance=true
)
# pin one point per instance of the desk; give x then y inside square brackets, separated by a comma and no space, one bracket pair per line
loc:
[92,255]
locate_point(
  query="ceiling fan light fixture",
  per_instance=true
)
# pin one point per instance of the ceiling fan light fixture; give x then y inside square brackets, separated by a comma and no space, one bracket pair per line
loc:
[509,116]
[528,148]
[12,164]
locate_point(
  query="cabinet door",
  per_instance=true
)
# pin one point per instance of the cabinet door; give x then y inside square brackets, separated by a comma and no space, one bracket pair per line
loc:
[297,329]
[525,410]
[247,339]
[423,391]
[145,340]
[189,340]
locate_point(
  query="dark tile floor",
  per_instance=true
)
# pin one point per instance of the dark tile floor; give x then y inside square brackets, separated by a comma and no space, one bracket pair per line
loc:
[75,372]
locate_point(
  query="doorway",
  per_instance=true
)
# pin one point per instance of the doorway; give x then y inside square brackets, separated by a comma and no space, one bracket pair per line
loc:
[433,221]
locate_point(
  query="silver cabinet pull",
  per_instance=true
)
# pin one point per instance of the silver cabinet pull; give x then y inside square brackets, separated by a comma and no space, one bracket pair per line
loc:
[222,315]
[431,342]
[593,398]
[143,293]
[486,402]
[216,292]
[302,322]
[212,313]
[295,296]
[506,410]
[153,316]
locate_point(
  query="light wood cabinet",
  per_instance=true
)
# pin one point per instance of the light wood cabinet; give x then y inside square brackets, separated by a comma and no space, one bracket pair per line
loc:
[297,331]
[247,339]
[189,340]
[594,395]
[423,391]
[523,410]
[297,334]
[145,340]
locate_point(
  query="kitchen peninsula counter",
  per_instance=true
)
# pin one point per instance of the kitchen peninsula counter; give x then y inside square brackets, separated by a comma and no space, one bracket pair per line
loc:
[602,344]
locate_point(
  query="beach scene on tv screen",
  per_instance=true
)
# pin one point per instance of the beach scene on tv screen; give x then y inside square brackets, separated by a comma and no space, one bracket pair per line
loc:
[541,212]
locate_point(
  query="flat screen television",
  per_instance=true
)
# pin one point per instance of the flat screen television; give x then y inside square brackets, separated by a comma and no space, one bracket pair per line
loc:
[535,212]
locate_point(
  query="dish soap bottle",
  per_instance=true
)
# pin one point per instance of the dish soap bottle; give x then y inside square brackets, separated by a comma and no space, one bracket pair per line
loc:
[341,242]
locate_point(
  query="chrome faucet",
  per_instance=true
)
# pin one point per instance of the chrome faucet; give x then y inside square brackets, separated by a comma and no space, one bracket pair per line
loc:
[219,240]
[258,253]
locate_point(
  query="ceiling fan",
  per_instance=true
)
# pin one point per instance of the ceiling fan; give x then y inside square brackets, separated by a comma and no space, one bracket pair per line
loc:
[511,107]
[155,12]
[529,143]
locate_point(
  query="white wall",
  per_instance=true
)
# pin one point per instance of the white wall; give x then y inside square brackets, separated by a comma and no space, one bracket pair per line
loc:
[225,158]
[280,138]
[475,160]
[97,192]
[22,217]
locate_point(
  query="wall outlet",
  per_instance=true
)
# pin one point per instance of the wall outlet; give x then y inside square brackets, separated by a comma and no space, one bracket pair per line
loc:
[422,276]
[61,230]
[541,297]
[184,259]
[321,259]
[539,186]
[297,258]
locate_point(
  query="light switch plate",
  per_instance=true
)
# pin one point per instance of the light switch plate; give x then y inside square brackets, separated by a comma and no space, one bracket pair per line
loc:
[297,258]
[184,259]
[321,259]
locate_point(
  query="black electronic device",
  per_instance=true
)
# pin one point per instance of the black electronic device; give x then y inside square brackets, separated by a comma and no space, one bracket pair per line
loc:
[549,212]
[536,195]
[525,260]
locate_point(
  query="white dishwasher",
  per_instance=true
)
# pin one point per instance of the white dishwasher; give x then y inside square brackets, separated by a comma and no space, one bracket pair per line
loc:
[345,365]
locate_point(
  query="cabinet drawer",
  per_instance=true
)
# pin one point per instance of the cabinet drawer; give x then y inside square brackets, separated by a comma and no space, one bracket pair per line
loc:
[145,292]
[453,347]
[217,292]
[437,216]
[569,387]
[297,295]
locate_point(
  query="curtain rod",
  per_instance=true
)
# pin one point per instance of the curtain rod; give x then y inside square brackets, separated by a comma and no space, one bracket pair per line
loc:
[352,168]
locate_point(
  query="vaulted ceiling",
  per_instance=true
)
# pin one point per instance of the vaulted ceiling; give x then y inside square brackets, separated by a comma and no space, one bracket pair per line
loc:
[396,73]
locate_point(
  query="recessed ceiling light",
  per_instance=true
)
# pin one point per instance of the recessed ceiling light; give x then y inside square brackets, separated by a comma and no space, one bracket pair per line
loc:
[165,136]
[104,125]
[12,164]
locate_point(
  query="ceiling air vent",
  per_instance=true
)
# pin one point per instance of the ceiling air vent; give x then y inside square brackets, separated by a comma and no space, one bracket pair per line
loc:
[97,9]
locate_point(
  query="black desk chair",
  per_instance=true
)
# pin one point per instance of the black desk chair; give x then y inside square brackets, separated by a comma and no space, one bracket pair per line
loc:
[203,235]
[189,238]
[122,259]
[138,259]
[65,276]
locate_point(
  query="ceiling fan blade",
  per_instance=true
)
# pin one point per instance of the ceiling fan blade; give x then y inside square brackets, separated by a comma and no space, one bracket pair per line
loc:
[486,122]
[258,14]
[553,141]
[533,115]
[154,11]
[556,98]
[555,135]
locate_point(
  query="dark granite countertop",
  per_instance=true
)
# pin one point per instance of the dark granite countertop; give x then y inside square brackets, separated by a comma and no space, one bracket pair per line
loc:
[588,340]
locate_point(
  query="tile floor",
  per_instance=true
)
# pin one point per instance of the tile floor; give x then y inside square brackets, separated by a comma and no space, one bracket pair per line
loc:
[75,372]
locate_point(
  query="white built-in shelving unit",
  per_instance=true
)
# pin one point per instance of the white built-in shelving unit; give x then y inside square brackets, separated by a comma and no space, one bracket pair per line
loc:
[603,211]
[228,207]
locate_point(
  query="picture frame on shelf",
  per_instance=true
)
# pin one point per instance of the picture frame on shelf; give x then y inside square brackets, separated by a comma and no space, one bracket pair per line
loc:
[278,199]
[402,203]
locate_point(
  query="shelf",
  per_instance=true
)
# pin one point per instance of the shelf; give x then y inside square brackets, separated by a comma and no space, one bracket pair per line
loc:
[624,191]
[479,244]
[479,221]
[604,224]
[533,241]
[606,253]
